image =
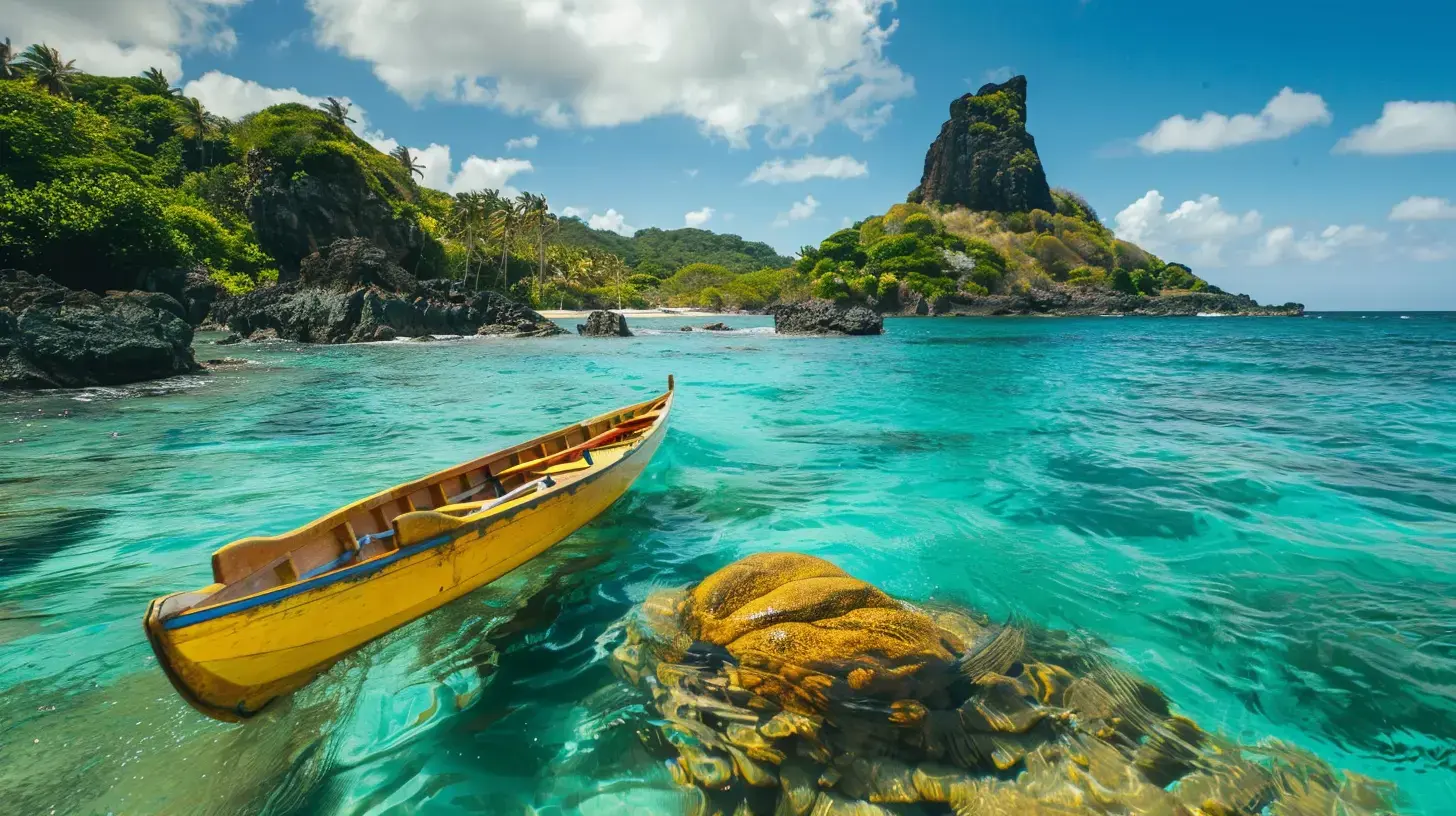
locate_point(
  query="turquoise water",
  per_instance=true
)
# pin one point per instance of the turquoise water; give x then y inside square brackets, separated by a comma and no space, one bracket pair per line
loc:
[1257,515]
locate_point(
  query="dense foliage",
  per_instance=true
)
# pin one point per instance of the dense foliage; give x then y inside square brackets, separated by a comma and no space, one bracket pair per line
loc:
[104,180]
[917,250]
[673,249]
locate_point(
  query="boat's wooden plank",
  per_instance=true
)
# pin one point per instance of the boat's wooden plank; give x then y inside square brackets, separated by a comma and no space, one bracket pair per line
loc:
[564,467]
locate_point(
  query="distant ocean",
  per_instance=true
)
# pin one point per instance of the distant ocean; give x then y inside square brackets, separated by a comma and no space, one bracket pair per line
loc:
[1257,515]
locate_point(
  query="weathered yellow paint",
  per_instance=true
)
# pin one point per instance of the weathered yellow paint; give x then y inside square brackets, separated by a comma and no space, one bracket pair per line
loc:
[231,665]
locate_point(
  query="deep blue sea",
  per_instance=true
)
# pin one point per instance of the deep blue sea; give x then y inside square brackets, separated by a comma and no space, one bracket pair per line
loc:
[1257,515]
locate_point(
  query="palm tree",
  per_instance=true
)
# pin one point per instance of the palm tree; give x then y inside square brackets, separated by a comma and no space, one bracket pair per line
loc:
[337,111]
[9,68]
[406,160]
[538,218]
[45,65]
[158,84]
[505,217]
[197,123]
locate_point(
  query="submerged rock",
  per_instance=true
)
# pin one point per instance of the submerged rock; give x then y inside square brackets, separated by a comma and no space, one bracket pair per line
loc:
[717,327]
[54,337]
[603,323]
[826,317]
[782,684]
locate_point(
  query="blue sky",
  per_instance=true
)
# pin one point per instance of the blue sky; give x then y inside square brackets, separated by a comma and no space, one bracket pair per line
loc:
[1338,194]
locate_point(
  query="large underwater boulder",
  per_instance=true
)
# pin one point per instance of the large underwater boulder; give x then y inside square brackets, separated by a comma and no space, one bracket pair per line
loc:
[780,684]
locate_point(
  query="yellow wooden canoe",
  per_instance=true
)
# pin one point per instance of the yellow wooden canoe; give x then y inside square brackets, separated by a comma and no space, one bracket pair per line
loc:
[284,608]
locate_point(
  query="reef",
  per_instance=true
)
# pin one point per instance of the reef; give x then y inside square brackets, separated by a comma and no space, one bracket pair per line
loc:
[782,685]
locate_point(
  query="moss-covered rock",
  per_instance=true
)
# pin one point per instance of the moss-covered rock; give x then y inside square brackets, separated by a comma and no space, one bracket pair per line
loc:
[984,158]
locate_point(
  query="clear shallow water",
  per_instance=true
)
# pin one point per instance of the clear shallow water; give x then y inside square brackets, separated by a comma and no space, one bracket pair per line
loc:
[1257,515]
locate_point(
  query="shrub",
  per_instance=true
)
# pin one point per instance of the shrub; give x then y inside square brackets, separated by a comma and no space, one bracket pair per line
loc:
[1131,256]
[895,246]
[863,286]
[930,287]
[889,286]
[1018,222]
[693,278]
[1091,249]
[1146,282]
[1054,255]
[1178,276]
[710,298]
[1071,204]
[1122,281]
[1041,221]
[1087,276]
[843,246]
[87,233]
[44,137]
[872,230]
[983,129]
[830,287]
[921,224]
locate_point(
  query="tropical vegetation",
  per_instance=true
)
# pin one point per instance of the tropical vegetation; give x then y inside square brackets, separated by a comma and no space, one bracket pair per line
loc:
[104,180]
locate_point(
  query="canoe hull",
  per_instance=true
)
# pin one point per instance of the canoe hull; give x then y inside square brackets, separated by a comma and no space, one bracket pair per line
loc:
[230,666]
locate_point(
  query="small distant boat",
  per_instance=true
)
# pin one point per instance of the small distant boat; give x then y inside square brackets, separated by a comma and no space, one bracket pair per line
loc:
[283,609]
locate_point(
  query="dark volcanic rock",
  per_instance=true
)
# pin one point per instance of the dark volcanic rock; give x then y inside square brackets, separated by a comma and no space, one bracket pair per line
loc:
[1072,300]
[294,214]
[825,317]
[717,327]
[350,263]
[604,324]
[313,315]
[193,288]
[54,337]
[984,158]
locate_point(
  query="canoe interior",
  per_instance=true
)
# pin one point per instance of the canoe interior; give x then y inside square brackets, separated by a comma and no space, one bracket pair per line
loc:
[367,528]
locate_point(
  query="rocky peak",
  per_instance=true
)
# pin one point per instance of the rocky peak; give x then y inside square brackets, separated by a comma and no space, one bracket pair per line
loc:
[984,159]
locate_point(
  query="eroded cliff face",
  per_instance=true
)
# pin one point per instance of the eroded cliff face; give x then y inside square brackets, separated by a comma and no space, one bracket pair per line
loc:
[984,158]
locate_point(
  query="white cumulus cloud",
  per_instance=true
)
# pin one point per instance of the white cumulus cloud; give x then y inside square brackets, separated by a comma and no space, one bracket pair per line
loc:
[121,37]
[1281,244]
[1405,127]
[234,98]
[1202,227]
[1287,113]
[697,218]
[1423,208]
[798,211]
[575,212]
[523,143]
[779,171]
[789,67]
[613,221]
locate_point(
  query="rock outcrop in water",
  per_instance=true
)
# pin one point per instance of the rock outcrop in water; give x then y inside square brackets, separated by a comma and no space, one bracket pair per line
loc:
[826,317]
[54,337]
[1073,301]
[780,684]
[352,293]
[984,158]
[602,323]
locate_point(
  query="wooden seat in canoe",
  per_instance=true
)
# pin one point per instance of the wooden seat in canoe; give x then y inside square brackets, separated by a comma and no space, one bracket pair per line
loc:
[633,425]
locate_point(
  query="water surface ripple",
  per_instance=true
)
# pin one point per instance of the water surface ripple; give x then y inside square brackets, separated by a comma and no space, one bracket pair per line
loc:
[1257,515]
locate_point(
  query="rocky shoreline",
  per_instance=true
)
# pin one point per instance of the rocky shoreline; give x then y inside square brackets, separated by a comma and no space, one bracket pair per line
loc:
[1069,301]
